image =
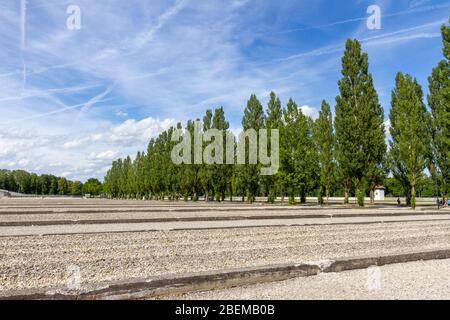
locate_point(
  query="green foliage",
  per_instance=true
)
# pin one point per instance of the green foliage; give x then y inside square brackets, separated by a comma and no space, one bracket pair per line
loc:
[297,153]
[254,118]
[360,140]
[63,186]
[30,183]
[76,188]
[410,136]
[93,187]
[207,171]
[439,102]
[273,120]
[222,173]
[324,142]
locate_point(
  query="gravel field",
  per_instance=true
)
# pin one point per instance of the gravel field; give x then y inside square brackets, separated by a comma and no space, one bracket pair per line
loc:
[138,214]
[34,261]
[115,227]
[406,281]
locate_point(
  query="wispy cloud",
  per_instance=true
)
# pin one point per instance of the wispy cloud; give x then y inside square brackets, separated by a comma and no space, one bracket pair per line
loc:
[143,38]
[98,98]
[138,67]
[414,9]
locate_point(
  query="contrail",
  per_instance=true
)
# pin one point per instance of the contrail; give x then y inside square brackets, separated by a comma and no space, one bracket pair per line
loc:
[339,48]
[23,17]
[41,115]
[401,13]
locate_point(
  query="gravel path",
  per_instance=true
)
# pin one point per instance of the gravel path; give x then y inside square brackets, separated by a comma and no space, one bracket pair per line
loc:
[411,281]
[174,214]
[198,225]
[32,262]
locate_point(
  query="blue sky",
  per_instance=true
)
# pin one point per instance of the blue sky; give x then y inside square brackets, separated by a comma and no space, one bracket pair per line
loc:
[71,101]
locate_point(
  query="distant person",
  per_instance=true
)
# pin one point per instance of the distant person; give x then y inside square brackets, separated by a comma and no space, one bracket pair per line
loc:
[438,203]
[399,202]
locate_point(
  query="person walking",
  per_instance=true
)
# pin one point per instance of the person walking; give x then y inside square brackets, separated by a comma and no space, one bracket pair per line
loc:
[438,203]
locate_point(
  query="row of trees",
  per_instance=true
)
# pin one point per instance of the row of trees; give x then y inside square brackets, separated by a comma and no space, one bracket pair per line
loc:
[421,139]
[347,156]
[24,182]
[31,183]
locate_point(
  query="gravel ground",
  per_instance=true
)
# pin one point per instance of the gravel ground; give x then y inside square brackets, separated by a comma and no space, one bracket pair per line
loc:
[407,281]
[32,262]
[199,225]
[135,214]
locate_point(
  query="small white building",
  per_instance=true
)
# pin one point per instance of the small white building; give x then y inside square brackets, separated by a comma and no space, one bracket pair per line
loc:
[4,194]
[379,193]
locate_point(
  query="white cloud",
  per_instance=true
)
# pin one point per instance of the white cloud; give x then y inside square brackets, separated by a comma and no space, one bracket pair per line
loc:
[387,127]
[310,111]
[23,162]
[134,130]
[105,155]
[120,113]
[77,157]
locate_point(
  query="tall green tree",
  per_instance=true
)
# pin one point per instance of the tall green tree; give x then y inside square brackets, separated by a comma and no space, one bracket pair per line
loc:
[63,186]
[324,139]
[207,170]
[296,153]
[439,102]
[273,120]
[253,119]
[360,139]
[410,135]
[23,181]
[222,172]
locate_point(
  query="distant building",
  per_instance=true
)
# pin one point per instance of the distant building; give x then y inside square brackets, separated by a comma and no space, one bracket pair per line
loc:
[379,193]
[4,194]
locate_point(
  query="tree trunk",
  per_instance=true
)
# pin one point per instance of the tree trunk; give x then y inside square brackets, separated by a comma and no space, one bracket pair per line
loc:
[360,193]
[346,191]
[413,195]
[303,196]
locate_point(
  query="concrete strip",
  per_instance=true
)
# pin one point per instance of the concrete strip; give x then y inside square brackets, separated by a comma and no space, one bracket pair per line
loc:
[200,225]
[176,284]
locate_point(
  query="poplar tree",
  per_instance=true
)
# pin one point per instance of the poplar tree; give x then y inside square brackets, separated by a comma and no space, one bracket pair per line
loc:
[324,139]
[410,135]
[439,103]
[222,172]
[253,119]
[360,140]
[207,170]
[296,152]
[273,122]
[190,173]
